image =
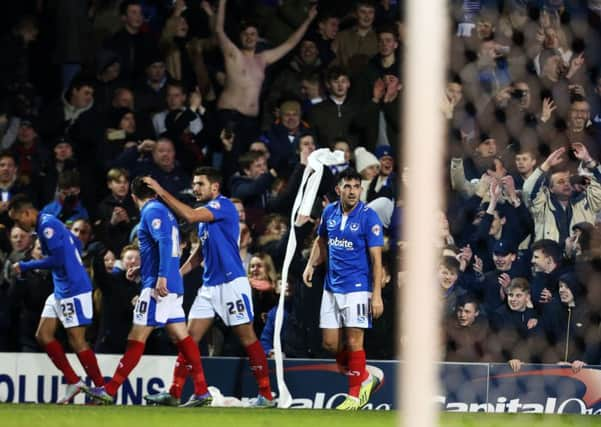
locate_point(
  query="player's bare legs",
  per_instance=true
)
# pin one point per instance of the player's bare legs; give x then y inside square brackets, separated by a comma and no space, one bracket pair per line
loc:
[347,344]
[46,330]
[135,348]
[333,341]
[45,337]
[197,328]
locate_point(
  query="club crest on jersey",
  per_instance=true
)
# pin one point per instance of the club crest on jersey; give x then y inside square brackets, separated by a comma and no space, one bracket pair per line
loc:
[354,226]
[214,204]
[156,223]
[48,232]
[376,230]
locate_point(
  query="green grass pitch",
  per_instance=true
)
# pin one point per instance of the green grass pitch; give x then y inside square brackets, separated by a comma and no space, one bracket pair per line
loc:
[130,416]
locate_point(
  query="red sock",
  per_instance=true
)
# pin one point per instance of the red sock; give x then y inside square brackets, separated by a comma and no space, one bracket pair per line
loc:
[258,366]
[59,358]
[180,372]
[90,364]
[128,362]
[342,361]
[189,349]
[356,371]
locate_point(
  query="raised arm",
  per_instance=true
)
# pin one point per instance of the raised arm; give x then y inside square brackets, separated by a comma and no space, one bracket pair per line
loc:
[228,47]
[206,7]
[531,190]
[273,55]
[182,210]
[593,190]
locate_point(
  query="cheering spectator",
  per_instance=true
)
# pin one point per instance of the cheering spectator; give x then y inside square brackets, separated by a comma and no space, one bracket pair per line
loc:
[555,206]
[118,291]
[516,327]
[117,213]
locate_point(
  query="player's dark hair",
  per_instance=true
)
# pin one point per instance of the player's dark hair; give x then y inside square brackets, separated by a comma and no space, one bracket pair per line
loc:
[349,174]
[140,189]
[212,174]
[20,202]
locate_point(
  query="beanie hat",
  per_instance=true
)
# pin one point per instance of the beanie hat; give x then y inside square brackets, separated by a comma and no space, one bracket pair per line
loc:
[384,150]
[364,159]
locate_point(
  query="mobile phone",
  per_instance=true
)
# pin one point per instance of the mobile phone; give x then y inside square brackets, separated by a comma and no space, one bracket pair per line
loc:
[115,135]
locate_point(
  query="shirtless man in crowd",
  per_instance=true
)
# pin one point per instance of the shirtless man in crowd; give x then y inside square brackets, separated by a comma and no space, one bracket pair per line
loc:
[245,71]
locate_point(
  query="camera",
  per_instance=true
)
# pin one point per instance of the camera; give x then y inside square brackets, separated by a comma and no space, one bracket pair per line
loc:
[518,93]
[579,180]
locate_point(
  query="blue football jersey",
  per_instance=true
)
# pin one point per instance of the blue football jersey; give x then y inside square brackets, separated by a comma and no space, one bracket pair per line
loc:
[219,241]
[348,240]
[60,245]
[158,237]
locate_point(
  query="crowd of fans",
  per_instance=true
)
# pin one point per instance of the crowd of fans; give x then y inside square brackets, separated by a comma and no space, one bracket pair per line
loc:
[94,93]
[519,275]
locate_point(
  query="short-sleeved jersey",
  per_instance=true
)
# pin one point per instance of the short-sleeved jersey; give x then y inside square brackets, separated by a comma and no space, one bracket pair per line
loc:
[158,236]
[219,240]
[348,241]
[71,278]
